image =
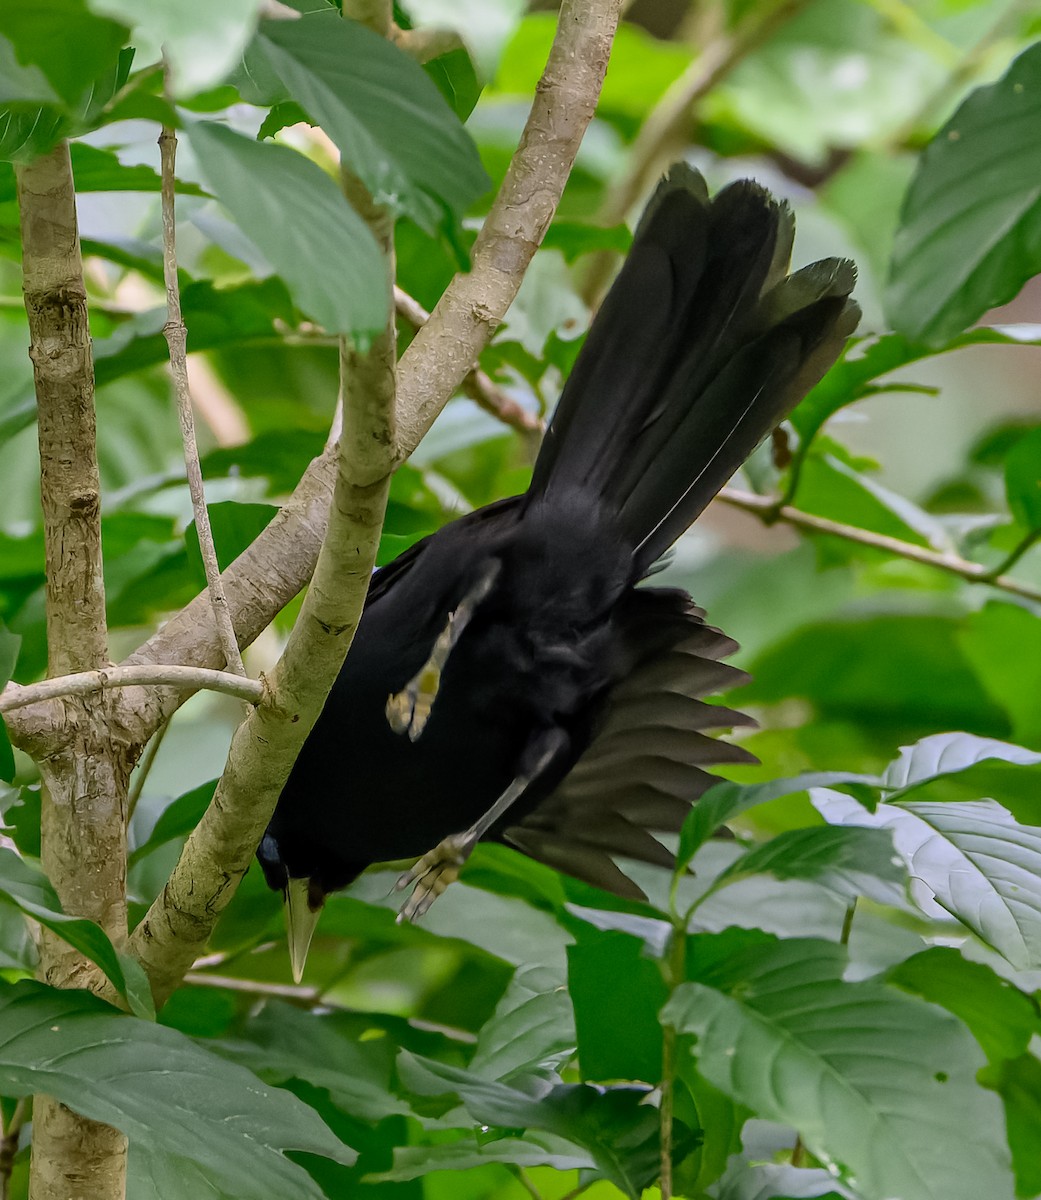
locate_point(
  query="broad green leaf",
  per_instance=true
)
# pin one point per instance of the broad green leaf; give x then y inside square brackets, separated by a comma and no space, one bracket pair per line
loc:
[282,1043]
[970,857]
[873,1080]
[215,316]
[903,676]
[22,83]
[1018,1082]
[192,1118]
[615,986]
[235,526]
[9,643]
[1023,480]
[840,857]
[534,1149]
[31,891]
[299,220]
[855,375]
[1003,644]
[177,820]
[62,38]
[201,41]
[612,1124]
[725,801]
[970,233]
[391,124]
[533,1028]
[27,131]
[1001,1017]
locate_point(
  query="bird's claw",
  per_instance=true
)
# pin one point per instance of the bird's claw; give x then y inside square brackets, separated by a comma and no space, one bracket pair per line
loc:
[432,874]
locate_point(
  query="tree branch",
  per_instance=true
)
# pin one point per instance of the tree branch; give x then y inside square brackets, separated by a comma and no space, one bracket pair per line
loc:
[479,386]
[89,683]
[266,744]
[767,510]
[86,765]
[63,367]
[177,339]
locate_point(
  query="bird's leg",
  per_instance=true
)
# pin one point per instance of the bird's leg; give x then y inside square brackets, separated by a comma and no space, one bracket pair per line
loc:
[409,710]
[441,866]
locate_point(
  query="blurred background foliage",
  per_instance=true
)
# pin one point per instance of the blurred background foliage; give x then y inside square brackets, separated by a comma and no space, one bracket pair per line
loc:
[851,110]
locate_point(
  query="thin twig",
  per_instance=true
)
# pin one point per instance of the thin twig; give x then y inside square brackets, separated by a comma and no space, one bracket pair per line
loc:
[525,1181]
[425,44]
[177,339]
[479,386]
[953,564]
[308,996]
[86,683]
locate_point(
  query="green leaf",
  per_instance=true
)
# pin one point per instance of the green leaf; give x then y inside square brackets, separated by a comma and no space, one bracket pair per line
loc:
[390,122]
[9,644]
[177,820]
[195,1122]
[299,220]
[28,131]
[532,1029]
[1018,1082]
[778,1181]
[1003,644]
[727,800]
[70,45]
[235,526]
[873,1080]
[1023,480]
[970,233]
[615,986]
[613,1124]
[31,891]
[854,376]
[970,857]
[840,857]
[201,41]
[534,1149]
[1001,1017]
[282,1043]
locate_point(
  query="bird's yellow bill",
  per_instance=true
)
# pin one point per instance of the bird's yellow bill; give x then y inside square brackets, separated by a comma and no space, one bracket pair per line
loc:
[301,920]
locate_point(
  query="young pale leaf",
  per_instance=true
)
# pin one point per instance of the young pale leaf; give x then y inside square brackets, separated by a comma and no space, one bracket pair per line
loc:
[970,233]
[873,1080]
[392,125]
[947,754]
[192,1118]
[972,858]
[200,40]
[300,221]
[1023,480]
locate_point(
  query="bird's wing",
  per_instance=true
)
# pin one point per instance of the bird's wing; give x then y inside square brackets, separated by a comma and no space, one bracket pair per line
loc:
[647,764]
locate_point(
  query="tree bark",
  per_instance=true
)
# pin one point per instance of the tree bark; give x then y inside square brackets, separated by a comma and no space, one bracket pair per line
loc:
[87,765]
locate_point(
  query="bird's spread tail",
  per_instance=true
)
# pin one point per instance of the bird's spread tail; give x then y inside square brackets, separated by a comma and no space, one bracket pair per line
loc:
[702,346]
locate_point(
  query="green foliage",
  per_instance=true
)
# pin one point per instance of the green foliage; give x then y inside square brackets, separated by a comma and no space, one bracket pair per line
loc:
[835,993]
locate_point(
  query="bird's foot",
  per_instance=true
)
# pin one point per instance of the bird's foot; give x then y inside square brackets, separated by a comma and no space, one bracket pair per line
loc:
[433,873]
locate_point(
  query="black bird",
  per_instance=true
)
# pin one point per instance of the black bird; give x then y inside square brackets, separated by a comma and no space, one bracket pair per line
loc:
[509,679]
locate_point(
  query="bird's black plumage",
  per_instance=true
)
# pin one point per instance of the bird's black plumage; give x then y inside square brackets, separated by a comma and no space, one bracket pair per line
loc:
[565,676]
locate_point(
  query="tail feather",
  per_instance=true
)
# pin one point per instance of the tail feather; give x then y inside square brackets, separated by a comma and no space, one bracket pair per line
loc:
[702,346]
